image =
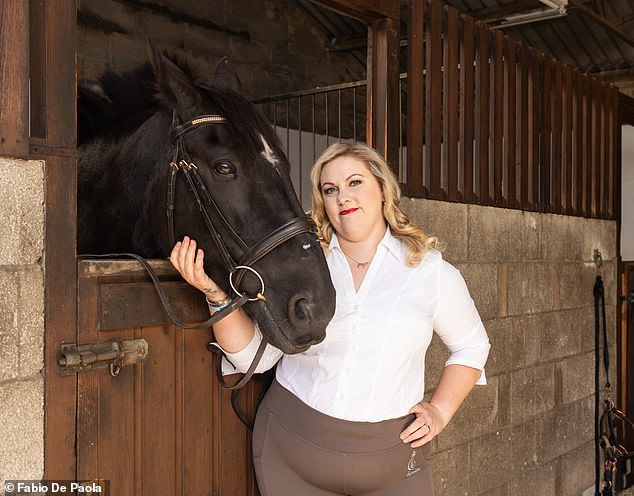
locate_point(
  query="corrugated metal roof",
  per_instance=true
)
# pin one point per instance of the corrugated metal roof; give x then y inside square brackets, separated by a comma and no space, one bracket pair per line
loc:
[593,36]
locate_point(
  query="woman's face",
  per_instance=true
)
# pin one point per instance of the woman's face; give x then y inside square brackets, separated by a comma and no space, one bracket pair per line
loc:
[353,199]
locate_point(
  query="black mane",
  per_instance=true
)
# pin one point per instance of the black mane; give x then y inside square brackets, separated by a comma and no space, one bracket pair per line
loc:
[119,103]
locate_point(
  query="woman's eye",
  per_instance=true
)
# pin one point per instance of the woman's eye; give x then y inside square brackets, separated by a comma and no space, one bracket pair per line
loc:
[355,182]
[329,190]
[224,168]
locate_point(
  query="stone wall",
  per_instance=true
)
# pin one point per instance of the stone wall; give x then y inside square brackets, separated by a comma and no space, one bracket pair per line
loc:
[21,319]
[530,431]
[274,45]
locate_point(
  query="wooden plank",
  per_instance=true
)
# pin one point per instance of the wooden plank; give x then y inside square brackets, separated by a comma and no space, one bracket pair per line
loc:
[546,156]
[592,147]
[580,157]
[57,49]
[60,318]
[482,115]
[116,435]
[614,147]
[535,117]
[383,113]
[510,117]
[497,118]
[197,425]
[557,137]
[523,121]
[14,78]
[467,100]
[123,305]
[37,34]
[415,99]
[433,101]
[158,407]
[567,159]
[87,387]
[450,105]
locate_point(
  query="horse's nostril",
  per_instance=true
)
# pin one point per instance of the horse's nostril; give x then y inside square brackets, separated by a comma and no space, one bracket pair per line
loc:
[300,311]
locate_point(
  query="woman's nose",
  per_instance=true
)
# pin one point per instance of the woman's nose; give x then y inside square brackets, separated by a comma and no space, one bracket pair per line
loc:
[343,198]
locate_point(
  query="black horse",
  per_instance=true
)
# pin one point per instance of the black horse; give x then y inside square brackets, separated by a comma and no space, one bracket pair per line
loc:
[138,129]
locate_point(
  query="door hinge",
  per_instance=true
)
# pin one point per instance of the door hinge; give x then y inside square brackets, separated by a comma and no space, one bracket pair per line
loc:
[114,355]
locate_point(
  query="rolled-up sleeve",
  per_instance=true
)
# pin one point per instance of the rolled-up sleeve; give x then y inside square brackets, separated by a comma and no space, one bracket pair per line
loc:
[458,324]
[240,361]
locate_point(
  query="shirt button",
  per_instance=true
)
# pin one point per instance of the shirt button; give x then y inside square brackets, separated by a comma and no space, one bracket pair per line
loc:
[356,307]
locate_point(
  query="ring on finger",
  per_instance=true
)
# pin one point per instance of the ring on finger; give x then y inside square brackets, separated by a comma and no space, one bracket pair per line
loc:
[428,427]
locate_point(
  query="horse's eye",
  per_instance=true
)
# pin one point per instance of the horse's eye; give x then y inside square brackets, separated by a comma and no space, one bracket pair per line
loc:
[224,168]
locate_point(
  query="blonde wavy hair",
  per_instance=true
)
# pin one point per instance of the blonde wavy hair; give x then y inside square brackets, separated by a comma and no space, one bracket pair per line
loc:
[414,237]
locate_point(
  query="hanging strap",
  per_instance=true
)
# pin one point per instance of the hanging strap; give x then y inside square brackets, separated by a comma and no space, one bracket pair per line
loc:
[607,427]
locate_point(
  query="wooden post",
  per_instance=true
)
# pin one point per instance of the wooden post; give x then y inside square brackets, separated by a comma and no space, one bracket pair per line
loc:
[14,78]
[382,118]
[53,134]
[383,89]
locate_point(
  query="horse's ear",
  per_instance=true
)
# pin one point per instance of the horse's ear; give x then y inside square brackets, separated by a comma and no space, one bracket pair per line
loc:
[174,86]
[224,75]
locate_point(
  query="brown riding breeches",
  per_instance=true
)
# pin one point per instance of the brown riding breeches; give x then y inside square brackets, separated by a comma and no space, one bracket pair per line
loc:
[298,451]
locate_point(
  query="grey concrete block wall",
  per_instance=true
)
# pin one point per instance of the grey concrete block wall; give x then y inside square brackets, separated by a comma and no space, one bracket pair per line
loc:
[530,431]
[21,319]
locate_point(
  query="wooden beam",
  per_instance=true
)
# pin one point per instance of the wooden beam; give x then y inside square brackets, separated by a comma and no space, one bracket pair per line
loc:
[499,12]
[367,11]
[609,25]
[382,128]
[14,78]
[53,80]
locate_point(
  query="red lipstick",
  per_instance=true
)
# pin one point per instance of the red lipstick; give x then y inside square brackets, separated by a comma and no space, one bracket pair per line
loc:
[348,211]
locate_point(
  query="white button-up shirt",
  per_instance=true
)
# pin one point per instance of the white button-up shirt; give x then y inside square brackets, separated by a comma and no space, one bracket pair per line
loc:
[371,365]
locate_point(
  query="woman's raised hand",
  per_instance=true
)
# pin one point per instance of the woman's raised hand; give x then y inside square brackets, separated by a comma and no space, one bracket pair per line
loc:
[189,261]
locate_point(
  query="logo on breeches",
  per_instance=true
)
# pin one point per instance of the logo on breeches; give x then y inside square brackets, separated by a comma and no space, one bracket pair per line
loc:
[412,467]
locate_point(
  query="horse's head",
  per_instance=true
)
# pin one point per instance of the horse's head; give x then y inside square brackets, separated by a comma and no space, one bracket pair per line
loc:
[242,166]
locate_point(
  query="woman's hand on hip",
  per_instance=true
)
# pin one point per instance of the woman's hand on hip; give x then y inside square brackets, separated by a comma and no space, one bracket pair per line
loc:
[428,423]
[189,261]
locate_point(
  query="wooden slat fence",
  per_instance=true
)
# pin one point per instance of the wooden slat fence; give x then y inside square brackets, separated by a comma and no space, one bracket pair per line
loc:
[493,122]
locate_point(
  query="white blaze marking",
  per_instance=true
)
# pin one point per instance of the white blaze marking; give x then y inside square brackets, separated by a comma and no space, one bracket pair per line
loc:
[268,154]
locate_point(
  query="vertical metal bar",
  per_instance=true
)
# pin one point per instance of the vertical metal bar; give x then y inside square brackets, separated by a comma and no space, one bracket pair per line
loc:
[339,112]
[354,114]
[301,161]
[327,121]
[313,117]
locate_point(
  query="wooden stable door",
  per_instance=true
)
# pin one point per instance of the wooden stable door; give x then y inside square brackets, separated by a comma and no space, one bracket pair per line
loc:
[161,426]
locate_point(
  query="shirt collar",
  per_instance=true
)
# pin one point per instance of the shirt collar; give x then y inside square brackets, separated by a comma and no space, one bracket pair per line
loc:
[391,244]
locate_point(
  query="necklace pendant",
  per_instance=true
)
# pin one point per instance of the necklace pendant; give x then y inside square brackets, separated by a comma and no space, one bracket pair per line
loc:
[362,265]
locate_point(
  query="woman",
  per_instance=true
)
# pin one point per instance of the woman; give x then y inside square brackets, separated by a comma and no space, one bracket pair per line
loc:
[347,416]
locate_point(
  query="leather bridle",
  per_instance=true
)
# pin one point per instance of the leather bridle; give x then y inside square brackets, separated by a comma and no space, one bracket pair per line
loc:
[217,225]
[213,217]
